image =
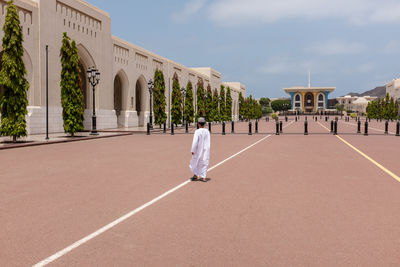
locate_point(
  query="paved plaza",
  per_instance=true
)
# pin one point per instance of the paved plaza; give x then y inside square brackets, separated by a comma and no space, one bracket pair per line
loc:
[287,200]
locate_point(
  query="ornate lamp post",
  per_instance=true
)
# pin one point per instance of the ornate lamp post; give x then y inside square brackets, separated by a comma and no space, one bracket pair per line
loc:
[94,78]
[183,92]
[151,87]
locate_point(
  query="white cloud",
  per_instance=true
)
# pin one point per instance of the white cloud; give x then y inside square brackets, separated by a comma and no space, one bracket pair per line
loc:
[191,8]
[336,47]
[238,12]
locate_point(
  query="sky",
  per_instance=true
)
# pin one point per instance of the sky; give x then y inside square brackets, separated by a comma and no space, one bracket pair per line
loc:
[268,45]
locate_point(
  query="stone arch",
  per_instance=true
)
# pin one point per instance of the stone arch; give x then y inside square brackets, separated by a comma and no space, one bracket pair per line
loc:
[321,101]
[297,101]
[309,102]
[121,85]
[85,61]
[141,99]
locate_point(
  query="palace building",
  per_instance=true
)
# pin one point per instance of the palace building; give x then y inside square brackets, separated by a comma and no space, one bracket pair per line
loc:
[309,99]
[122,96]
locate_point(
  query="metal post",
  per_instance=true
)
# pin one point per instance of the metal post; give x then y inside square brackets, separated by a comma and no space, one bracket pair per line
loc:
[331,126]
[148,128]
[280,127]
[223,128]
[277,128]
[47,92]
[366,128]
[387,127]
[165,127]
[398,128]
[286,119]
[172,129]
[359,127]
[209,126]
[295,119]
[305,127]
[335,129]
[250,128]
[187,127]
[94,130]
[256,130]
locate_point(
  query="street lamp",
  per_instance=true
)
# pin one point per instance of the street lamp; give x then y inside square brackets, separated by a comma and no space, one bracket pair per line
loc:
[221,116]
[205,105]
[183,92]
[151,87]
[94,78]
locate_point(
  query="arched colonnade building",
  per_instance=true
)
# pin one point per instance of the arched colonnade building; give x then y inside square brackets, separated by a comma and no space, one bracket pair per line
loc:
[122,96]
[309,99]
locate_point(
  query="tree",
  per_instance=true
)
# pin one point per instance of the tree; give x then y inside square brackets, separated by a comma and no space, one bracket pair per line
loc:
[209,105]
[241,104]
[222,104]
[176,109]
[160,103]
[339,107]
[201,108]
[14,101]
[189,108]
[281,105]
[228,104]
[265,101]
[71,94]
[215,105]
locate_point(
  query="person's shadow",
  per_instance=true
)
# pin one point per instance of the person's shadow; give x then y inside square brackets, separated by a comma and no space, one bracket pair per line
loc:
[198,180]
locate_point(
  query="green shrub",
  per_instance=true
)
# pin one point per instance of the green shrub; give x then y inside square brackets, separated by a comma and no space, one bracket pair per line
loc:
[274,116]
[353,115]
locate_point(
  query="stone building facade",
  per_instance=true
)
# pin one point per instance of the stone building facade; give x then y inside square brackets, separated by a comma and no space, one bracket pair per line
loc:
[122,96]
[309,99]
[393,88]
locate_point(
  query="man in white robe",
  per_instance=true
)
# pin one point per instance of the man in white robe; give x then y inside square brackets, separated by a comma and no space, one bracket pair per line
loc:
[200,152]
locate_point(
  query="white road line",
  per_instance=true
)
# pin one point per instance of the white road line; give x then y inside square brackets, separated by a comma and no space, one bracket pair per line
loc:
[133,212]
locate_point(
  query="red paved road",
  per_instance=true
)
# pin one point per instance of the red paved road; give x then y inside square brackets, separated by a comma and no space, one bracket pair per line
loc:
[290,200]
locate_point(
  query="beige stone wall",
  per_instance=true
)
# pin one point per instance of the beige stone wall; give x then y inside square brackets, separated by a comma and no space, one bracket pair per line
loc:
[393,88]
[120,63]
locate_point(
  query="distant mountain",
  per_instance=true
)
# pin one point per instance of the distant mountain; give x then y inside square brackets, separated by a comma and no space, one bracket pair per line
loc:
[378,91]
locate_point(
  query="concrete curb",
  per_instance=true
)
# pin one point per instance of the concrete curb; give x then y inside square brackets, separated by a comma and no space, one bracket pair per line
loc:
[41,143]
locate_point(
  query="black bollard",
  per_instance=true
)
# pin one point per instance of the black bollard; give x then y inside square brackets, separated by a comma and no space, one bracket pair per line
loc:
[369,119]
[286,118]
[172,129]
[187,127]
[277,128]
[387,127]
[233,127]
[335,128]
[148,128]
[326,119]
[223,128]
[366,128]
[316,118]
[332,126]
[280,127]
[398,128]
[359,127]
[165,127]
[250,128]
[295,119]
[209,126]
[256,130]
[305,128]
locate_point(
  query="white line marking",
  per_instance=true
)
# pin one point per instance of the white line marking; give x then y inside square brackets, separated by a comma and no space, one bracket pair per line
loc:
[133,212]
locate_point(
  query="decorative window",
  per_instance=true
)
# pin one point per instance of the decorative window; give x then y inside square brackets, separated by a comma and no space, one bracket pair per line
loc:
[320,101]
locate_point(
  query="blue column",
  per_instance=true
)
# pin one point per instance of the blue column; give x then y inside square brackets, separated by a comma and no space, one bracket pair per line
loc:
[326,99]
[292,99]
